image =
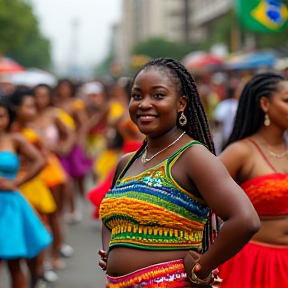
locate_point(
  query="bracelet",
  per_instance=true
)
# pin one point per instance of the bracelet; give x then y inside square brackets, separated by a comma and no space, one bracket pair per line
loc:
[194,278]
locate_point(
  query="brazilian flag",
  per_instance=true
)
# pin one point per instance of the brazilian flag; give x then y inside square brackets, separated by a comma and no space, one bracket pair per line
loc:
[262,15]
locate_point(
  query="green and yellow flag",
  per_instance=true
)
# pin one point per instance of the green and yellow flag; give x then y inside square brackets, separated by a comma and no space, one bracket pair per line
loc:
[262,15]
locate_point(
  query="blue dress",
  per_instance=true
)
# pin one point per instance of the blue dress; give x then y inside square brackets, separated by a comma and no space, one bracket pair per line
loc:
[22,234]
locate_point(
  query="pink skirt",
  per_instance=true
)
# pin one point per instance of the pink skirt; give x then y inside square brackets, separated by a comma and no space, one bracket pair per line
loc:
[256,266]
[169,275]
[76,164]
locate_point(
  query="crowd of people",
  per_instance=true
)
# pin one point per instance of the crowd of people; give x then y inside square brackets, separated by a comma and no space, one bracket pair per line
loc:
[192,214]
[51,139]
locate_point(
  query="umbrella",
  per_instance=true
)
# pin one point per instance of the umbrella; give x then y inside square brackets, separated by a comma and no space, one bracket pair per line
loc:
[9,65]
[251,60]
[31,77]
[203,60]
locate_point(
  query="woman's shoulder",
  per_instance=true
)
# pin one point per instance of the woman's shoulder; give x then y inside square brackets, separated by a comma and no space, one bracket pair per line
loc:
[240,148]
[17,138]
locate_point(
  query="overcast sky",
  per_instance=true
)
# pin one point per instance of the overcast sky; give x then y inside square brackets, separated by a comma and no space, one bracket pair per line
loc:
[95,19]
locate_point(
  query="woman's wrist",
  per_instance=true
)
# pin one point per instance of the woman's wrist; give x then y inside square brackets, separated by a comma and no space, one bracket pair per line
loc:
[204,271]
[199,278]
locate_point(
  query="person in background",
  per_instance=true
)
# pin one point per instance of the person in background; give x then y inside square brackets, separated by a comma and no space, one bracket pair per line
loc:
[22,233]
[42,201]
[225,111]
[256,156]
[157,209]
[97,108]
[76,163]
[282,66]
[57,138]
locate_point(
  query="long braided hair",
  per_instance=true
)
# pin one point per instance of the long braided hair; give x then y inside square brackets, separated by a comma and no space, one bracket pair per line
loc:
[197,125]
[250,116]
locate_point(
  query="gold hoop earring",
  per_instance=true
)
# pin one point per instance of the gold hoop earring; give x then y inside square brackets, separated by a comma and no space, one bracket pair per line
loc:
[267,120]
[182,119]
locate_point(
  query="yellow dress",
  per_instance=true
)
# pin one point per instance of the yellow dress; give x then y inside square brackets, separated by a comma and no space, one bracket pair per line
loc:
[66,118]
[53,174]
[36,191]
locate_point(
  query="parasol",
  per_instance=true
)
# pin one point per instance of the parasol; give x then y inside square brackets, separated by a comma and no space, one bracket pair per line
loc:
[31,77]
[202,61]
[9,65]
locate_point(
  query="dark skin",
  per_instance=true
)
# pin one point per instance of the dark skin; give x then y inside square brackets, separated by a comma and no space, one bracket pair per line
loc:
[16,143]
[154,108]
[244,162]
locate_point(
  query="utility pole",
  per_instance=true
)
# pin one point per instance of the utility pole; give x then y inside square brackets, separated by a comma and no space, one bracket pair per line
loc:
[74,61]
[186,21]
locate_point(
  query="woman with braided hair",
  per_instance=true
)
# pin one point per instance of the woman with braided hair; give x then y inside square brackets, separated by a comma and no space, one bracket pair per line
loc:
[157,208]
[256,156]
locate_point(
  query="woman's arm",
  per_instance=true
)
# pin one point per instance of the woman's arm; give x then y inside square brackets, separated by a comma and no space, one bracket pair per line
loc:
[223,195]
[83,125]
[106,235]
[37,161]
[68,133]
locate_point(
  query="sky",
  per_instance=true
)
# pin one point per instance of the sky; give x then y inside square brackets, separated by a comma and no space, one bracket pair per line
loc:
[92,20]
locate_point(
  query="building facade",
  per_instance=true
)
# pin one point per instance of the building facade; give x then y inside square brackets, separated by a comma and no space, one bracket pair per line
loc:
[181,21]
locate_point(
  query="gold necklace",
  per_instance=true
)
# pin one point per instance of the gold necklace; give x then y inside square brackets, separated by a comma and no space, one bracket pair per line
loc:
[278,156]
[145,160]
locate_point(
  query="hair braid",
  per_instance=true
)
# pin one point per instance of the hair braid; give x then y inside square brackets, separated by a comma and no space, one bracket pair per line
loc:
[250,116]
[197,125]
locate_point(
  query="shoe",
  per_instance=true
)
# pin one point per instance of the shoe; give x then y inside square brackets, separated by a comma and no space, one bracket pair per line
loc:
[66,251]
[73,218]
[50,276]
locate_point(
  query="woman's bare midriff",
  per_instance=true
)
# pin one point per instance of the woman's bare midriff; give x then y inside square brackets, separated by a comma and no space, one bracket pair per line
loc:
[273,231]
[124,260]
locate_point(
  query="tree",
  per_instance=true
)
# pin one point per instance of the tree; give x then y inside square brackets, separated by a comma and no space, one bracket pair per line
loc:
[20,36]
[220,31]
[160,47]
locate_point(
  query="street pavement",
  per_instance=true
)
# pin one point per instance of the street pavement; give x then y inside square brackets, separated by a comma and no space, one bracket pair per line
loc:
[82,270]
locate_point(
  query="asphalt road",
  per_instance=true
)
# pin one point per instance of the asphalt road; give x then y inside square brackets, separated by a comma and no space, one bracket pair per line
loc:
[81,269]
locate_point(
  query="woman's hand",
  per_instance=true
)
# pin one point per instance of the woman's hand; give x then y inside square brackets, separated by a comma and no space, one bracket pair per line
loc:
[103,260]
[7,185]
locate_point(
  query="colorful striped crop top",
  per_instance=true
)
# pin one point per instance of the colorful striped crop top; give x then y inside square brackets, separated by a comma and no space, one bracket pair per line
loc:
[268,193]
[151,211]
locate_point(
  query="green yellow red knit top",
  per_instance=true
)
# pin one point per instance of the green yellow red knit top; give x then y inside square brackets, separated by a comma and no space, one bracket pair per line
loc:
[151,211]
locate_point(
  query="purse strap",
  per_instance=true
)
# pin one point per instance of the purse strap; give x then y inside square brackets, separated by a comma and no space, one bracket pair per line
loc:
[211,230]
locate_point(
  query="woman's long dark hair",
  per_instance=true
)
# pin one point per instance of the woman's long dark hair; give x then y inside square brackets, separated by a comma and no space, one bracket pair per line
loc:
[197,125]
[250,116]
[5,103]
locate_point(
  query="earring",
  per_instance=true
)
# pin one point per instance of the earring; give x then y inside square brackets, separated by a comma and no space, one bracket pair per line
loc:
[267,120]
[182,119]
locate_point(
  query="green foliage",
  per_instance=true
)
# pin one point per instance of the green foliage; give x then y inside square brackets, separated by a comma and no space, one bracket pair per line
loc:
[20,35]
[160,47]
[220,31]
[104,67]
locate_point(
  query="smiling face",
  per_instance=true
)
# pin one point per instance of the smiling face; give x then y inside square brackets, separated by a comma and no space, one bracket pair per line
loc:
[277,106]
[155,102]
